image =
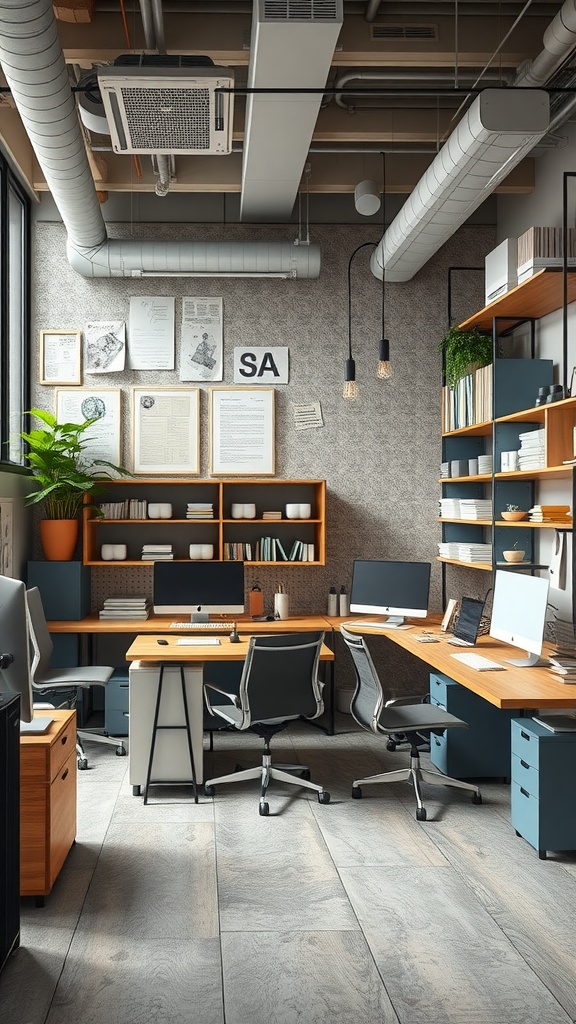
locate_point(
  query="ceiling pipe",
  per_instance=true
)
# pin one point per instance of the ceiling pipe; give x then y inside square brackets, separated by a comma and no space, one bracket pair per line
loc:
[451,189]
[158,20]
[34,66]
[372,9]
[147,24]
[406,75]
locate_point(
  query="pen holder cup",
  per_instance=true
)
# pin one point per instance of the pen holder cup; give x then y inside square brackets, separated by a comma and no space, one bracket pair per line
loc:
[281,606]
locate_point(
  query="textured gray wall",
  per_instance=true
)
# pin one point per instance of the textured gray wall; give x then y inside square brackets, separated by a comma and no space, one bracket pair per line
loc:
[380,455]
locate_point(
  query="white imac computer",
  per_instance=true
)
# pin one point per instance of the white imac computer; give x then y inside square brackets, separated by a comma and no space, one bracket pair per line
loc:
[395,589]
[14,644]
[198,589]
[519,613]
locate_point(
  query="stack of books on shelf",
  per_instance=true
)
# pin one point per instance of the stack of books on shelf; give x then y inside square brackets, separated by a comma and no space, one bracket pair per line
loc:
[465,552]
[269,549]
[449,508]
[156,552]
[115,509]
[543,247]
[272,515]
[137,508]
[199,510]
[125,608]
[550,514]
[532,451]
[469,402]
[475,508]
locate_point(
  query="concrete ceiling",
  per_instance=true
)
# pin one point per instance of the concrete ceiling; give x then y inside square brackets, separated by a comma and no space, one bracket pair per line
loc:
[407,47]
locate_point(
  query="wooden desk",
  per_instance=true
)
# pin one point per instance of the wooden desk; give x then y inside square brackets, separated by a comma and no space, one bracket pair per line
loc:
[171,760]
[161,624]
[519,688]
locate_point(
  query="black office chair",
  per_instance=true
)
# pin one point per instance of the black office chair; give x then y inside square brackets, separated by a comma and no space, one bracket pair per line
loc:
[279,684]
[66,682]
[386,719]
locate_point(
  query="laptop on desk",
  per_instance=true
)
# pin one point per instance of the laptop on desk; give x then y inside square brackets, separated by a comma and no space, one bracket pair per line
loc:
[467,623]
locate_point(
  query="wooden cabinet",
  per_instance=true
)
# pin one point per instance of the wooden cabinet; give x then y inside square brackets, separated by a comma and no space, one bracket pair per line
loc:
[47,803]
[231,503]
[514,388]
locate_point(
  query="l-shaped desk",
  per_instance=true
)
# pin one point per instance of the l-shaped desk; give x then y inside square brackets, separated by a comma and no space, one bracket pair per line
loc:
[522,689]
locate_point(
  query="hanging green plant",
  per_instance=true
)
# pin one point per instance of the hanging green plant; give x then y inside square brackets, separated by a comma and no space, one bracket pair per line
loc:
[463,349]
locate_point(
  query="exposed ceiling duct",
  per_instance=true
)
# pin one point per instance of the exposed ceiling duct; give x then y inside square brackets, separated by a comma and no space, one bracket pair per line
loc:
[483,149]
[496,132]
[34,66]
[290,43]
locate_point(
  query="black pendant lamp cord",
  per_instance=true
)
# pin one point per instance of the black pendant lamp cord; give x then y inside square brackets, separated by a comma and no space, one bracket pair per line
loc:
[357,249]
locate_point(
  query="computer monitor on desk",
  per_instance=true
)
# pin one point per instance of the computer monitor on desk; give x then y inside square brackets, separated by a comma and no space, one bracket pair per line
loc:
[519,613]
[396,589]
[14,644]
[198,589]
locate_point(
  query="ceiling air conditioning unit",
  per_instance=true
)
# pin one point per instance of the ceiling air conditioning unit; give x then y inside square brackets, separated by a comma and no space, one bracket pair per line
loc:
[168,104]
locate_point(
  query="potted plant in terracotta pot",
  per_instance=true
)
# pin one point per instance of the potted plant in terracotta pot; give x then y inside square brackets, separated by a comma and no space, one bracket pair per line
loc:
[61,476]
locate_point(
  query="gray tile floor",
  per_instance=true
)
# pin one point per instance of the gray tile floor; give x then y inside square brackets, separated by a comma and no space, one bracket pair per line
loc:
[351,912]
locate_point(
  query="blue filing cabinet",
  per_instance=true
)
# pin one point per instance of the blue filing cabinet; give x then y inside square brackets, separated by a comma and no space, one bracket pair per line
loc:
[116,703]
[480,751]
[543,774]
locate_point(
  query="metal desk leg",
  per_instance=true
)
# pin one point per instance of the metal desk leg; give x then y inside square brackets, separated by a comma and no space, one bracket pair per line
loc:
[155,727]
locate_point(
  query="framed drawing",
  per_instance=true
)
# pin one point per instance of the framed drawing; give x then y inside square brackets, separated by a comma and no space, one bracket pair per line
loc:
[60,357]
[165,430]
[242,431]
[74,405]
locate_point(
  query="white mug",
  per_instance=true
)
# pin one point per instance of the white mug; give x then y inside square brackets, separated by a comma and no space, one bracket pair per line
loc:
[280,606]
[165,510]
[305,511]
[195,550]
[120,551]
[237,511]
[153,510]
[107,552]
[207,550]
[292,511]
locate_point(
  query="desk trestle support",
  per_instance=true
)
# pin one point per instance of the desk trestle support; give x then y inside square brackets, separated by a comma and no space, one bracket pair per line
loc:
[155,727]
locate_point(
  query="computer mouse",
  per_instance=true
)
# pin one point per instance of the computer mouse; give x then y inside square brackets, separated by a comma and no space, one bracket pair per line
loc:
[163,642]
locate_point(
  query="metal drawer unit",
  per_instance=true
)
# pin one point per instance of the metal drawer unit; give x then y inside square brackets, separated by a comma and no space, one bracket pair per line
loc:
[543,771]
[480,751]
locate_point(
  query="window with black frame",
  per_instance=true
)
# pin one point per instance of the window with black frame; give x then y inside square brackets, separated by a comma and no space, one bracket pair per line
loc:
[14,312]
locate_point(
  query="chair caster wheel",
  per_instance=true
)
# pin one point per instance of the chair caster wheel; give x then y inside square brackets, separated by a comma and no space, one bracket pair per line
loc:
[390,745]
[209,790]
[82,764]
[263,808]
[305,775]
[420,814]
[476,798]
[324,797]
[356,793]
[121,751]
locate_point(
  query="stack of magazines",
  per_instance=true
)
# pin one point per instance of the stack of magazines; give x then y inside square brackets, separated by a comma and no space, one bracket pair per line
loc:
[125,608]
[532,453]
[157,552]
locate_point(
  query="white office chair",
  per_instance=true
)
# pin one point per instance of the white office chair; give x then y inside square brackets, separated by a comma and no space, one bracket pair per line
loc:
[65,681]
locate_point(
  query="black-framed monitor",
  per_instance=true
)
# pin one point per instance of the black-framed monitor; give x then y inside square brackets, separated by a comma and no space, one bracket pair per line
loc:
[519,609]
[395,589]
[14,644]
[198,589]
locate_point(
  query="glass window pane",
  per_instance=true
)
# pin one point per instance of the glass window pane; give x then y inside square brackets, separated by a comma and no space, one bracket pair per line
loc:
[16,324]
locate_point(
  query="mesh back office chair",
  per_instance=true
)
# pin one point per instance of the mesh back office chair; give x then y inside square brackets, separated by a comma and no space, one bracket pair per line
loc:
[372,713]
[279,683]
[65,681]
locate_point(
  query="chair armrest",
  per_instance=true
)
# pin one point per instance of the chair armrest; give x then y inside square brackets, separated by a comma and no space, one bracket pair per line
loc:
[232,697]
[400,701]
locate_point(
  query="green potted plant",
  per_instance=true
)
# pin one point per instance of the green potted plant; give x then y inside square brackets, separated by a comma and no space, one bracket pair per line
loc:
[464,350]
[61,475]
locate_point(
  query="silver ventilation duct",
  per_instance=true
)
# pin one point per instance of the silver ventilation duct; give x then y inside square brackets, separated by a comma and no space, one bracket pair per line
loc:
[34,66]
[451,190]
[495,133]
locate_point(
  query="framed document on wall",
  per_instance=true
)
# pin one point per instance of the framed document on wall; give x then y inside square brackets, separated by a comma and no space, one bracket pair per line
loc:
[60,357]
[74,405]
[242,427]
[165,430]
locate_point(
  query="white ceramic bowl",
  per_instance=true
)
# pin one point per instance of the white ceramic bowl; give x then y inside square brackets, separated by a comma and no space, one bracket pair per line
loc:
[249,511]
[195,551]
[305,511]
[153,510]
[165,510]
[513,556]
[237,511]
[207,550]
[293,511]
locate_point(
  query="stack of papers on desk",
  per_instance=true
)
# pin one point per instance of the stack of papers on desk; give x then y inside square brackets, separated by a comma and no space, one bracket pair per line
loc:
[125,608]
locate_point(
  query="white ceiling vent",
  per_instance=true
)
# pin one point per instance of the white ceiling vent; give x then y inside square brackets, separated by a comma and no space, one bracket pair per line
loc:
[300,10]
[168,105]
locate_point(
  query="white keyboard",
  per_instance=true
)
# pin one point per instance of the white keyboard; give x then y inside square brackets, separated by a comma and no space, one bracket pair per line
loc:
[198,641]
[478,662]
[201,626]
